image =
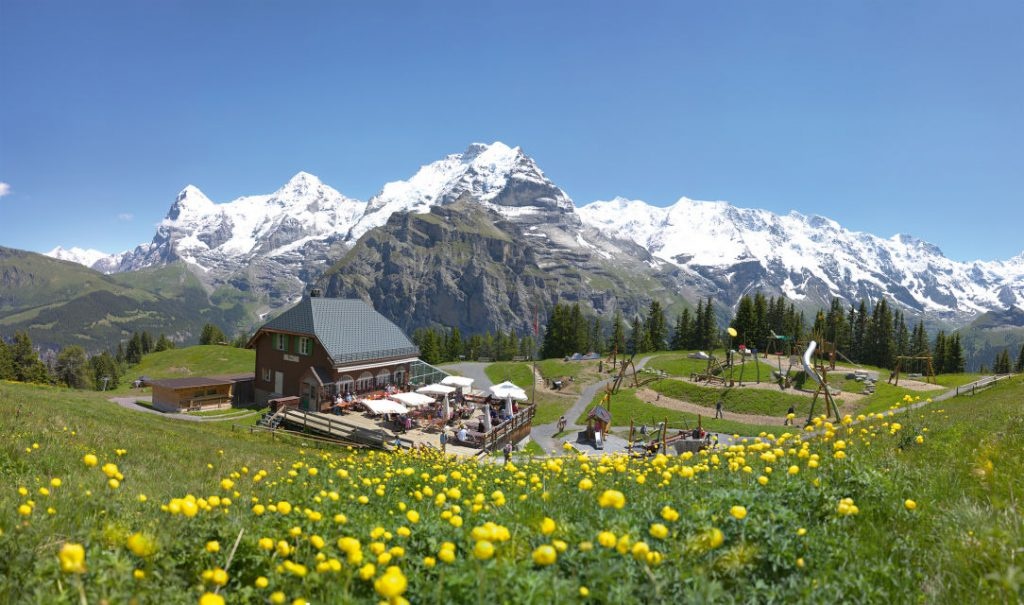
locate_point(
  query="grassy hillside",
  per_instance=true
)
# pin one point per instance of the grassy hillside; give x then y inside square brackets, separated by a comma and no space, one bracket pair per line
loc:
[61,303]
[198,360]
[918,507]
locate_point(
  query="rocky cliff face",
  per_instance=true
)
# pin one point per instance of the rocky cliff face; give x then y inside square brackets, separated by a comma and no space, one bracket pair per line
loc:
[464,265]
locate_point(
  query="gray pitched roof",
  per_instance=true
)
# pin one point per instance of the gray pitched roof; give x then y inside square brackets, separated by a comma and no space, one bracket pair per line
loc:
[348,328]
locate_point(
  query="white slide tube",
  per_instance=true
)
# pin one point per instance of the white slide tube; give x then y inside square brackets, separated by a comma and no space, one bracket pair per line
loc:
[808,368]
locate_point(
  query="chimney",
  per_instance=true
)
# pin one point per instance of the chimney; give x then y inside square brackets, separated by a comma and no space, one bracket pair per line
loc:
[316,293]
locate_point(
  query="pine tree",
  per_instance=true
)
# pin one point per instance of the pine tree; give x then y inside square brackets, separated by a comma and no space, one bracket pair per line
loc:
[210,335]
[596,336]
[455,346]
[655,327]
[1019,365]
[681,333]
[757,337]
[71,365]
[857,346]
[25,361]
[104,366]
[1002,363]
[147,343]
[954,363]
[120,356]
[708,327]
[744,321]
[163,343]
[618,343]
[939,353]
[6,361]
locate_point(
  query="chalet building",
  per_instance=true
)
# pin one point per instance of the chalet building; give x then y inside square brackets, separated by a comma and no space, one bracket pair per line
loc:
[323,348]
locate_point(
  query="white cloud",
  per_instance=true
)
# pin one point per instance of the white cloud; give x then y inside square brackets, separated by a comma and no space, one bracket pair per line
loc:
[5,189]
[125,216]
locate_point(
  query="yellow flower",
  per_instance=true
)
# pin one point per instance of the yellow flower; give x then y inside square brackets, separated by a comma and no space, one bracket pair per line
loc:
[141,545]
[261,582]
[90,460]
[138,574]
[226,484]
[669,514]
[483,550]
[391,584]
[586,483]
[846,507]
[909,504]
[446,554]
[266,544]
[213,546]
[211,599]
[658,531]
[919,439]
[544,554]
[24,510]
[429,562]
[607,539]
[584,591]
[72,558]
[793,470]
[412,516]
[547,526]
[277,597]
[284,507]
[612,498]
[739,512]
[367,571]
[55,482]
[762,480]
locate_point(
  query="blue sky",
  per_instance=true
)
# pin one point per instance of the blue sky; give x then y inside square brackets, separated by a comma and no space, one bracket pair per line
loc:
[886,116]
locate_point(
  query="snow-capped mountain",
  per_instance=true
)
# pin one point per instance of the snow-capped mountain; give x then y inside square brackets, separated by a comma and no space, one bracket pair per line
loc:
[500,177]
[808,257]
[277,244]
[82,256]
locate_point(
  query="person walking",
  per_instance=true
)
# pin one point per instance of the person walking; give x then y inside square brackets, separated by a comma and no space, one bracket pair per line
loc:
[790,414]
[718,409]
[444,441]
[507,452]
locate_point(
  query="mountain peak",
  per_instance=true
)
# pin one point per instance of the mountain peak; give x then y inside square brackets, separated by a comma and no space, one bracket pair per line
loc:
[490,153]
[303,177]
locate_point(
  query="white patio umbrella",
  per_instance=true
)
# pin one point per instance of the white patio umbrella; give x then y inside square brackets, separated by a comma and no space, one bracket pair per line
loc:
[436,389]
[507,389]
[458,381]
[384,406]
[413,400]
[487,418]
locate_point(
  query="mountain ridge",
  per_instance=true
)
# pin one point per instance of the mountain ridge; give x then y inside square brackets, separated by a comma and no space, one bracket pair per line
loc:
[275,245]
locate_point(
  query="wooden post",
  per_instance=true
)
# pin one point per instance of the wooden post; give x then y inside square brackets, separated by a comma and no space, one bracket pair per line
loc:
[630,443]
[664,439]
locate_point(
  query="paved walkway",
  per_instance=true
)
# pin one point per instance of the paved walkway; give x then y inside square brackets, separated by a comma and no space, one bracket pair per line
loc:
[129,403]
[471,369]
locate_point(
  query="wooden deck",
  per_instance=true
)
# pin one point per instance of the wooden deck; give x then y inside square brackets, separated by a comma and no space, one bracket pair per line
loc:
[361,428]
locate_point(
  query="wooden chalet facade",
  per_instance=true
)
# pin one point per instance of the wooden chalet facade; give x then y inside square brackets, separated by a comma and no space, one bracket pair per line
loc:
[323,348]
[201,392]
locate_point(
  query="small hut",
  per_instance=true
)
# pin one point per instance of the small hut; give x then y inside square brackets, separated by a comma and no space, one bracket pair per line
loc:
[598,421]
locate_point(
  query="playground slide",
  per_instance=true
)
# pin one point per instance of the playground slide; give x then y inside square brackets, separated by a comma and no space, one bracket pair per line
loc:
[808,366]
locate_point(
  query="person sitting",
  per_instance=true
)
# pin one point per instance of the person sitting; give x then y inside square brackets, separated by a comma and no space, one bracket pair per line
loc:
[462,435]
[407,423]
[480,426]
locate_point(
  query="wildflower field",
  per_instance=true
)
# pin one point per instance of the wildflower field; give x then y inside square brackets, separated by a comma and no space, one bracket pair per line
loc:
[100,504]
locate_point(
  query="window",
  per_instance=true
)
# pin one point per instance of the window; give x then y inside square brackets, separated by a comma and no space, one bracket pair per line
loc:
[305,345]
[399,377]
[383,378]
[345,384]
[365,382]
[267,375]
[281,342]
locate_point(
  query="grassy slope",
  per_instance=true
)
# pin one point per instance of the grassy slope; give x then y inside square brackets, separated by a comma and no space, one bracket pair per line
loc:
[198,360]
[961,544]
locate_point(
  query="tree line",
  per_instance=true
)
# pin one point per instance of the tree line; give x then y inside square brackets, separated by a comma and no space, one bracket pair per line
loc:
[441,346]
[73,367]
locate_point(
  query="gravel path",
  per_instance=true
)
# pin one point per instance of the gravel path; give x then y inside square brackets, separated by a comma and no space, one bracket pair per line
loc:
[128,403]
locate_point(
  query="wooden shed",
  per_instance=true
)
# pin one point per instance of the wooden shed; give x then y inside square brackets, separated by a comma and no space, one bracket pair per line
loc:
[202,392]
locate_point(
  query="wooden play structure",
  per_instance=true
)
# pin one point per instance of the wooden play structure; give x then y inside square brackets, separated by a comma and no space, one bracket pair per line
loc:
[817,370]
[928,375]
